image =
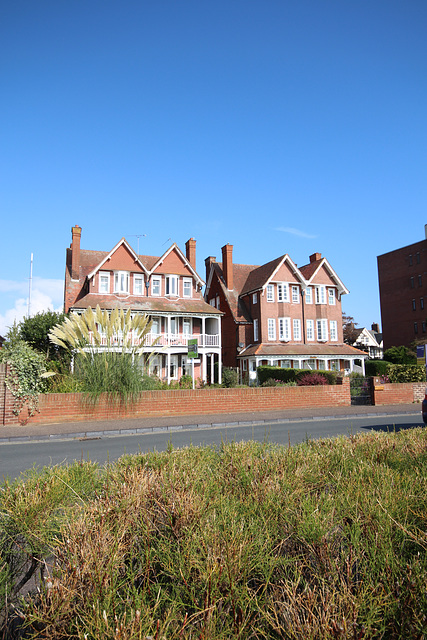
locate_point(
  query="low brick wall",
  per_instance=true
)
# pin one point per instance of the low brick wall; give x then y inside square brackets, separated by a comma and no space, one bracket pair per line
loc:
[73,407]
[399,393]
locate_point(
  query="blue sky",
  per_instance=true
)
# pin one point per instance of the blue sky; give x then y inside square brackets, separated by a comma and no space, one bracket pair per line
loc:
[277,126]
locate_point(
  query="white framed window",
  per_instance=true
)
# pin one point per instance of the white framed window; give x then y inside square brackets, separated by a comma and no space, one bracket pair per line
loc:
[321,365]
[171,285]
[217,302]
[121,282]
[244,365]
[156,285]
[331,296]
[283,292]
[334,364]
[187,287]
[295,294]
[104,282]
[310,330]
[270,293]
[212,302]
[285,329]
[271,324]
[255,298]
[138,285]
[333,332]
[322,330]
[186,327]
[309,295]
[256,334]
[285,364]
[320,294]
[297,328]
[156,326]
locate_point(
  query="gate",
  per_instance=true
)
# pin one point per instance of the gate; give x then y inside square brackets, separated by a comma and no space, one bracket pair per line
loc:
[361,390]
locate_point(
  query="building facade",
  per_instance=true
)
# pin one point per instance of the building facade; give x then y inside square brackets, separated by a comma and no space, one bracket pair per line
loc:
[402,278]
[167,288]
[279,314]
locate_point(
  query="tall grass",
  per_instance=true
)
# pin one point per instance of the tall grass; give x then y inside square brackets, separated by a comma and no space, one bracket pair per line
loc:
[324,540]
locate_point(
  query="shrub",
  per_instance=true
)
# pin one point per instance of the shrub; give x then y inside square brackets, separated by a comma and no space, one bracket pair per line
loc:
[399,355]
[376,367]
[25,381]
[407,373]
[186,382]
[292,375]
[312,379]
[230,377]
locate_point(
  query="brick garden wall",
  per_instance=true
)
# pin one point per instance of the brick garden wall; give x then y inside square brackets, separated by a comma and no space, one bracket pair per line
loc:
[399,393]
[72,407]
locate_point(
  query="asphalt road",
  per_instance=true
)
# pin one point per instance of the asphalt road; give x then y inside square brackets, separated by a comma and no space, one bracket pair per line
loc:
[16,458]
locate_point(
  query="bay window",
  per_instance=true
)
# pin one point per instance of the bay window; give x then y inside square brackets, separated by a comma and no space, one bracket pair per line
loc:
[121,282]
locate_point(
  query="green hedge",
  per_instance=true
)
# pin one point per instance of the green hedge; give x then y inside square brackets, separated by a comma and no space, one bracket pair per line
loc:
[292,375]
[406,373]
[376,367]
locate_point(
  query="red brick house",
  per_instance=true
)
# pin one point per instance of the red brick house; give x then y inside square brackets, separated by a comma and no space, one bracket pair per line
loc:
[402,277]
[167,288]
[279,314]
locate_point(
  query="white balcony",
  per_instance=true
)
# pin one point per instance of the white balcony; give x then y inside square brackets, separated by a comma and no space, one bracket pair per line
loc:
[167,340]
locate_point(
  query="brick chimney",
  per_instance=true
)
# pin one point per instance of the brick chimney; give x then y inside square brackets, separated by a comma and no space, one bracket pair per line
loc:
[375,327]
[227,265]
[315,256]
[76,233]
[190,252]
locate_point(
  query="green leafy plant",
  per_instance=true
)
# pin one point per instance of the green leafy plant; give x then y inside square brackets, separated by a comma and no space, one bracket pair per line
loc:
[26,379]
[230,377]
[406,373]
[400,355]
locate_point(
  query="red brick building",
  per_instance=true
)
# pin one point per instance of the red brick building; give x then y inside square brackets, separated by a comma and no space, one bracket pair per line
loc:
[402,281]
[280,314]
[167,288]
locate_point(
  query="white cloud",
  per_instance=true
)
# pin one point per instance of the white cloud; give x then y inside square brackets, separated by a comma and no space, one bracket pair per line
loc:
[46,295]
[295,232]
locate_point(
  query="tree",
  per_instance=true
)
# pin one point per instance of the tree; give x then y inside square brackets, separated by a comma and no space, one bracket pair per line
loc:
[350,331]
[399,355]
[35,331]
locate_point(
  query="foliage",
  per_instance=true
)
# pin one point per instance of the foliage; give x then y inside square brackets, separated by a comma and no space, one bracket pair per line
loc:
[230,377]
[247,540]
[400,355]
[108,348]
[291,375]
[26,379]
[186,382]
[376,367]
[349,328]
[313,379]
[406,373]
[35,331]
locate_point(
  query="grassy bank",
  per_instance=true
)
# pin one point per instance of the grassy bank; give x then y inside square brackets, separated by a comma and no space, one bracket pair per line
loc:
[323,540]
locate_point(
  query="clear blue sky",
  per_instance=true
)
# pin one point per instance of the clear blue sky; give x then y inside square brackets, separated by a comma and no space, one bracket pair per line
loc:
[278,126]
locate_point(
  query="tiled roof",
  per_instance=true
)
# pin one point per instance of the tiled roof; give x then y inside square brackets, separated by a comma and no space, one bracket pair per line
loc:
[240,275]
[299,350]
[146,305]
[258,276]
[309,269]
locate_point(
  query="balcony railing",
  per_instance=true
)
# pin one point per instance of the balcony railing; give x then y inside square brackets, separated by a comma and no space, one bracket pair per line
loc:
[168,340]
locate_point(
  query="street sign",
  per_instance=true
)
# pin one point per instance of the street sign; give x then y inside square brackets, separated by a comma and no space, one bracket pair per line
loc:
[192,346]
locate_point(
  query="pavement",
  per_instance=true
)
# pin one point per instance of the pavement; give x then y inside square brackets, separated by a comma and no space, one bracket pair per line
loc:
[129,426]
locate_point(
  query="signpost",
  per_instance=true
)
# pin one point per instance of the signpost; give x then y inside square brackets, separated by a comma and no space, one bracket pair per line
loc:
[193,353]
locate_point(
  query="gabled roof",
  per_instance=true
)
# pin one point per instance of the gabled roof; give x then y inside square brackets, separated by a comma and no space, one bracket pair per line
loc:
[309,272]
[174,247]
[121,242]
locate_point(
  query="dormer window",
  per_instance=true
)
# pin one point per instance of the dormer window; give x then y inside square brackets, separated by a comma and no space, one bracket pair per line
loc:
[104,282]
[171,285]
[138,285]
[121,282]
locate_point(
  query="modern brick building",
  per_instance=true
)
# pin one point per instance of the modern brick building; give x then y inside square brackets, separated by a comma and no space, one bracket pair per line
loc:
[167,288]
[402,277]
[279,314]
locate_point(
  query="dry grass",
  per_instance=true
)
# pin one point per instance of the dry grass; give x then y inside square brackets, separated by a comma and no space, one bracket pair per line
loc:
[326,540]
